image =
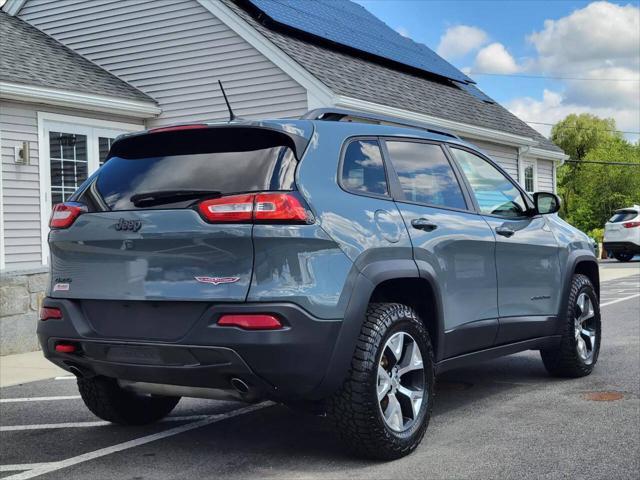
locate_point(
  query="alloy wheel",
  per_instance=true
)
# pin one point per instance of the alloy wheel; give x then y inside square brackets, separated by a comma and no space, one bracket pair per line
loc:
[401,382]
[585,328]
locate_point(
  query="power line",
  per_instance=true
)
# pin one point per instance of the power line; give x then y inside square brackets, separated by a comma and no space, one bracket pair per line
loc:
[551,77]
[602,162]
[582,128]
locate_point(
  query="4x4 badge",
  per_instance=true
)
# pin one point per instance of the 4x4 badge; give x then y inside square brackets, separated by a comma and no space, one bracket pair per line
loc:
[217,280]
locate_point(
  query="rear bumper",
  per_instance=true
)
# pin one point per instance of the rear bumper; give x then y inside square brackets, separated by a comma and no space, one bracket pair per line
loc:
[622,247]
[281,364]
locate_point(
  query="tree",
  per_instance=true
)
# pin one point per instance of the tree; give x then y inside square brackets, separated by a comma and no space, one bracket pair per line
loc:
[578,135]
[602,189]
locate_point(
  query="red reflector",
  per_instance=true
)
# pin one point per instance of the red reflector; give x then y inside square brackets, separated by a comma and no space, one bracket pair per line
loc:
[65,348]
[279,207]
[48,313]
[64,214]
[251,322]
[176,128]
[235,208]
[631,224]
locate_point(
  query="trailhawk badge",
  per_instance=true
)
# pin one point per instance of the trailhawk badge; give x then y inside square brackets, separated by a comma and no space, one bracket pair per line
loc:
[217,280]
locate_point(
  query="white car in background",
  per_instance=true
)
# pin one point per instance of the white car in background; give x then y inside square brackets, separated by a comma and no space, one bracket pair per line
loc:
[622,234]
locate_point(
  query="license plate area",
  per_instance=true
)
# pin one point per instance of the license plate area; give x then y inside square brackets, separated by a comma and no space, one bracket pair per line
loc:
[142,320]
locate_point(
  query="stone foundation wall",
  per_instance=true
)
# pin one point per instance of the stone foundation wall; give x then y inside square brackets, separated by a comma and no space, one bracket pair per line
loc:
[21,295]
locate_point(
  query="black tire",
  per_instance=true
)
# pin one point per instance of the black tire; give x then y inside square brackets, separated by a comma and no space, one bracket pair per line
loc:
[564,360]
[355,409]
[107,400]
[623,256]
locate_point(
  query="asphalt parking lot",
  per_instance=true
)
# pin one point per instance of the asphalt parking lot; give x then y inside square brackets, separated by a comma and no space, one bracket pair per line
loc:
[501,419]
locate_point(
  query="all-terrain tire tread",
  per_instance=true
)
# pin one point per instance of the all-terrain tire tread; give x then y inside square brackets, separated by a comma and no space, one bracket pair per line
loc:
[351,408]
[108,401]
[563,361]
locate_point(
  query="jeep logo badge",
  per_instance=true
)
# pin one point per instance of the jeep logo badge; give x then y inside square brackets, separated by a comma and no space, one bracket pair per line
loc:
[133,225]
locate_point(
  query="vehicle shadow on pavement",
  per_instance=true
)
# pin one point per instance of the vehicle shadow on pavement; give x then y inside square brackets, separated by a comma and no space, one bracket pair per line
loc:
[458,388]
[278,439]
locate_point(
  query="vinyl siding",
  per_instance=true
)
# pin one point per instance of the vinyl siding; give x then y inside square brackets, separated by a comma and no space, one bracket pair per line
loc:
[174,51]
[545,176]
[21,183]
[503,155]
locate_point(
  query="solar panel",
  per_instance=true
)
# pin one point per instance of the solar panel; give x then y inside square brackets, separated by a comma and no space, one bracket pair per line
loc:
[351,25]
[475,91]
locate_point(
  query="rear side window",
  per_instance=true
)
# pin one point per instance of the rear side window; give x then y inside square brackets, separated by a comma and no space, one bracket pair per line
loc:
[363,168]
[425,174]
[623,216]
[224,163]
[494,192]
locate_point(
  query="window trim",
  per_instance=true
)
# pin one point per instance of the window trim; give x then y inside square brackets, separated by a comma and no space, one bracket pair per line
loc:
[343,150]
[524,162]
[527,214]
[397,192]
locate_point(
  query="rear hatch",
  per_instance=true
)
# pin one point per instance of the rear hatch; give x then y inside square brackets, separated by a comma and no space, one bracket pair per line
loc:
[169,216]
[621,226]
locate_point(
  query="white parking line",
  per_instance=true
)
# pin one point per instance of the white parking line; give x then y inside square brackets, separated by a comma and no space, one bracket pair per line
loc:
[620,300]
[21,466]
[99,423]
[67,377]
[85,457]
[39,399]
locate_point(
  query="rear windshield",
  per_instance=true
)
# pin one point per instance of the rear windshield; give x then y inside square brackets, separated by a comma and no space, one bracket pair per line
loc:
[220,166]
[623,216]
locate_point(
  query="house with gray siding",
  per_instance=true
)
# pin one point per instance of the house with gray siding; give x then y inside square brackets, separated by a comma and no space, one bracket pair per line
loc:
[74,74]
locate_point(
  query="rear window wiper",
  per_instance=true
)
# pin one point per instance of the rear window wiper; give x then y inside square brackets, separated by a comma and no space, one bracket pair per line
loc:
[159,197]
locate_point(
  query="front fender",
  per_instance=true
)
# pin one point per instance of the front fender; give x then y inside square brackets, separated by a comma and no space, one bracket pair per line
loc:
[574,258]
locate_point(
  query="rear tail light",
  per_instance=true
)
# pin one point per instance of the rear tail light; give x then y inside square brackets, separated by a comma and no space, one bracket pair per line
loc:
[64,214]
[273,207]
[251,322]
[235,208]
[50,313]
[279,207]
[631,224]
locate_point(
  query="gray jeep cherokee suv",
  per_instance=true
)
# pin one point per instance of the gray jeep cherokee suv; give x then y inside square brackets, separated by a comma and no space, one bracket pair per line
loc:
[338,261]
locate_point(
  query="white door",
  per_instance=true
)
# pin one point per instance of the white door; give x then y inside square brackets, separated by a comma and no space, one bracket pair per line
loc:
[71,149]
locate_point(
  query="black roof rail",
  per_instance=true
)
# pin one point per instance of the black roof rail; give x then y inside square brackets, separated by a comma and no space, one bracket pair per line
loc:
[337,114]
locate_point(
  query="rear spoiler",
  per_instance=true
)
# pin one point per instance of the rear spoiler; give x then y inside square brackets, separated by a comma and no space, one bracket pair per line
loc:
[189,139]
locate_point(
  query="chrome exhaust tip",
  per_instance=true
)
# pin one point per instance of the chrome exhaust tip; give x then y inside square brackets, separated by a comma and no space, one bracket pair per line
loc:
[240,385]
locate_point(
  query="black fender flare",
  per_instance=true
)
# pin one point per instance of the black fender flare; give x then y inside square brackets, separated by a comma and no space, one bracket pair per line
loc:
[363,285]
[574,258]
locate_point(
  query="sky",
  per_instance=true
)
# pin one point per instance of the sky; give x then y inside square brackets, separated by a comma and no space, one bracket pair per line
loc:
[563,41]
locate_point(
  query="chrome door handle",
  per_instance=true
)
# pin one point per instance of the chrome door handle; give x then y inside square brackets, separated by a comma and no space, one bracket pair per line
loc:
[505,231]
[423,224]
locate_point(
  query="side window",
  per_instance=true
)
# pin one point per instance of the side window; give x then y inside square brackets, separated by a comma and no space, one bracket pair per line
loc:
[425,174]
[363,169]
[494,192]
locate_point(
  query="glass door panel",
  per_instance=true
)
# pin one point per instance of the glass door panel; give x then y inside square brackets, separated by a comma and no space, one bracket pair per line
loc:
[69,164]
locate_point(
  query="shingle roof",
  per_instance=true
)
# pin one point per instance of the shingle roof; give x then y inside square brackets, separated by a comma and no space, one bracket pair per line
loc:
[347,74]
[350,24]
[29,56]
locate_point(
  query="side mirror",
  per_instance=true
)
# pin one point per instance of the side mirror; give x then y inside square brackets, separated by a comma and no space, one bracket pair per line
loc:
[546,202]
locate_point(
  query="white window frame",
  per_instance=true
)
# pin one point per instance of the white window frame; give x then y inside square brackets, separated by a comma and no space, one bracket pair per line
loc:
[524,163]
[92,128]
